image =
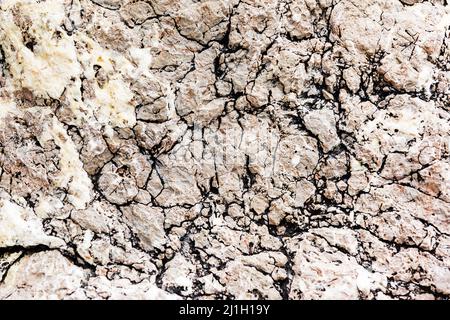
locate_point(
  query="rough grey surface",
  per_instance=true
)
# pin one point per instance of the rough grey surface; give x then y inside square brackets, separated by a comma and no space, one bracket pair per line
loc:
[252,149]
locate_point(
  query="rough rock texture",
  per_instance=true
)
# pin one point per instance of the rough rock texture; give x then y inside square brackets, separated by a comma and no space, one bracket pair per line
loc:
[211,149]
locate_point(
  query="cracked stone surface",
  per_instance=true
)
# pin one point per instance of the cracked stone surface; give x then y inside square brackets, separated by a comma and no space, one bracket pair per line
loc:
[222,149]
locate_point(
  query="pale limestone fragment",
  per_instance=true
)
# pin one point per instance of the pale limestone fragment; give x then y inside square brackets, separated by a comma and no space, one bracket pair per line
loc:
[329,273]
[322,123]
[179,275]
[19,226]
[247,283]
[43,275]
[147,223]
[48,67]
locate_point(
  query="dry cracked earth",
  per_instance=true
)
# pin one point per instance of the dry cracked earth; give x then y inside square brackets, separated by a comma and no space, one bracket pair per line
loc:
[224,149]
